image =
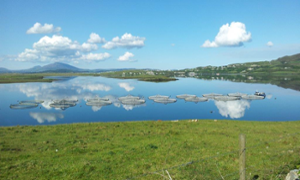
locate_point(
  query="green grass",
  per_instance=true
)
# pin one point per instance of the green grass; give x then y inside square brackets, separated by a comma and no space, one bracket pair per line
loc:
[18,78]
[138,74]
[129,149]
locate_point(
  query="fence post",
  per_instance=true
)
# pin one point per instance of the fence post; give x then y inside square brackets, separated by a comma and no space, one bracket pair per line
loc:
[242,155]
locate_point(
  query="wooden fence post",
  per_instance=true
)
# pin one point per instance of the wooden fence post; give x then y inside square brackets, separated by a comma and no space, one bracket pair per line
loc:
[242,155]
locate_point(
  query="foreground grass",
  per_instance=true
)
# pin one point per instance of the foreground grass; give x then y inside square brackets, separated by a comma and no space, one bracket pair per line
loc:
[128,149]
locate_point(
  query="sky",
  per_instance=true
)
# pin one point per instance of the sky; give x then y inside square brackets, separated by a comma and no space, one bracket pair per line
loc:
[169,34]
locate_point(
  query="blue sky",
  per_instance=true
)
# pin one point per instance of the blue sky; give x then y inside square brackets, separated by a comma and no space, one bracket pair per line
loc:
[151,34]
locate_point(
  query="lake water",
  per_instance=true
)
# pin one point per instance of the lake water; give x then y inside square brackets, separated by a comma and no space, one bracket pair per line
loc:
[280,104]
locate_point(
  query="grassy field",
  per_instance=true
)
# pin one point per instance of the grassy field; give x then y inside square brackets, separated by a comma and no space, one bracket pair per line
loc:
[207,148]
[35,77]
[138,74]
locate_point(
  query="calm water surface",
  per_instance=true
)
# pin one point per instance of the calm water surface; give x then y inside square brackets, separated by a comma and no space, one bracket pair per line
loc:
[279,105]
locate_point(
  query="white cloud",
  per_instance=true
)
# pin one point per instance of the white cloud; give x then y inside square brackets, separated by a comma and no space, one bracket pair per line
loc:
[233,109]
[231,35]
[40,29]
[126,41]
[126,57]
[95,57]
[270,44]
[95,38]
[89,47]
[126,86]
[60,48]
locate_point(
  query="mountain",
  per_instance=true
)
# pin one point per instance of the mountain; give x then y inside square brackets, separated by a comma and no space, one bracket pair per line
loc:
[59,67]
[4,70]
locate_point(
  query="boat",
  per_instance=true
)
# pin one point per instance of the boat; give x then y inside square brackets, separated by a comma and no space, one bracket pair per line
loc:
[196,99]
[158,97]
[165,101]
[260,94]
[226,98]
[252,97]
[183,96]
[236,94]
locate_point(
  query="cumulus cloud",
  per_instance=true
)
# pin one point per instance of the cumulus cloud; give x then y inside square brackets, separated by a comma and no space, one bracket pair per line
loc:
[126,86]
[233,109]
[126,41]
[270,44]
[95,57]
[231,35]
[40,29]
[89,47]
[126,57]
[95,38]
[60,48]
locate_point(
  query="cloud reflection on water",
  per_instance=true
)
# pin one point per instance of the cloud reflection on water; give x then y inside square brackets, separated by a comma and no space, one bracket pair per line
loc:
[126,86]
[57,90]
[42,117]
[233,109]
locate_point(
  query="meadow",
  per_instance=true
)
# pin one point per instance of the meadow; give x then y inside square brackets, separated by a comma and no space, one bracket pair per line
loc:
[206,149]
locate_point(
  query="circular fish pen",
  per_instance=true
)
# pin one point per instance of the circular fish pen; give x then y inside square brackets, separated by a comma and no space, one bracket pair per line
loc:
[183,96]
[165,101]
[196,99]
[62,106]
[23,106]
[226,98]
[133,101]
[99,103]
[65,101]
[236,94]
[98,99]
[158,97]
[31,102]
[211,95]
[253,97]
[128,97]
